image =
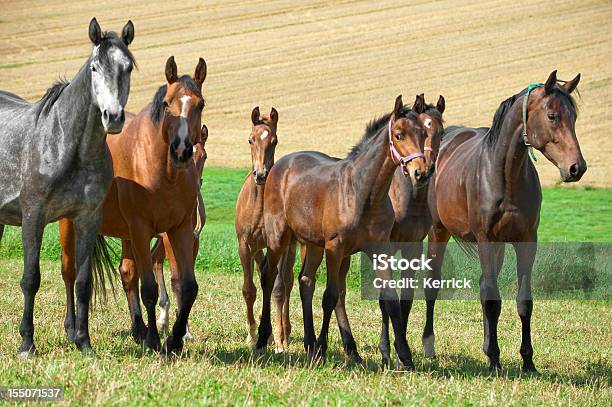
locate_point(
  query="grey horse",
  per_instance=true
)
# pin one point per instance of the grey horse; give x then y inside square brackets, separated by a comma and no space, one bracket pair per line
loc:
[54,163]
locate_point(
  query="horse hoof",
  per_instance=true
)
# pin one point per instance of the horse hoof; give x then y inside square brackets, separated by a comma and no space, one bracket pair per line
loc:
[71,335]
[88,352]
[188,337]
[162,326]
[354,358]
[529,369]
[429,347]
[171,346]
[27,353]
[270,339]
[153,343]
[405,367]
[495,369]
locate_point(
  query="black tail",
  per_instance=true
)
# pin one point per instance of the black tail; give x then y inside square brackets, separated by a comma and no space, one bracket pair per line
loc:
[469,248]
[103,269]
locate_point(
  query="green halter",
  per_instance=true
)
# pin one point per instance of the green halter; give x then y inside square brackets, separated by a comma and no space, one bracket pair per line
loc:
[525,100]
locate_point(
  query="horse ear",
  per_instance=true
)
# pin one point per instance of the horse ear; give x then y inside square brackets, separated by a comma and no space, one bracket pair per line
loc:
[200,73]
[127,34]
[441,105]
[204,134]
[571,85]
[255,115]
[171,70]
[399,105]
[274,116]
[95,32]
[550,82]
[419,104]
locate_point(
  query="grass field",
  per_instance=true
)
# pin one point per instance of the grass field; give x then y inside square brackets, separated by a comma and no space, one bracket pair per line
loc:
[571,338]
[330,66]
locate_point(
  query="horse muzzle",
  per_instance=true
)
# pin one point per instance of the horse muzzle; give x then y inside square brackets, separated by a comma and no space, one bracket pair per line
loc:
[113,122]
[260,177]
[574,172]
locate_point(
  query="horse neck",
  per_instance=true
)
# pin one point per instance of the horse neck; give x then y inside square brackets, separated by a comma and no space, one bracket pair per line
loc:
[160,168]
[373,170]
[82,118]
[257,200]
[510,153]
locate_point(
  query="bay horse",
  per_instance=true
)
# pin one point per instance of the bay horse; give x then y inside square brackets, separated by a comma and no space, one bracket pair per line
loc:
[55,164]
[486,190]
[158,252]
[154,191]
[334,207]
[250,227]
[411,212]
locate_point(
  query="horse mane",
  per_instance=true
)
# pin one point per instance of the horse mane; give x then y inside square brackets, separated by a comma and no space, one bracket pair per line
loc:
[373,128]
[493,134]
[157,106]
[50,97]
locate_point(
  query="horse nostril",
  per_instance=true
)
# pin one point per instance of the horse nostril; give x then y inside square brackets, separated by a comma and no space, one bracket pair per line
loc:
[122,116]
[254,173]
[574,170]
[105,115]
[418,174]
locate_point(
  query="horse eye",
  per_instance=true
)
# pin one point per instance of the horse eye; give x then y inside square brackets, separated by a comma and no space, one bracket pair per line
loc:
[166,104]
[398,136]
[553,116]
[250,141]
[93,69]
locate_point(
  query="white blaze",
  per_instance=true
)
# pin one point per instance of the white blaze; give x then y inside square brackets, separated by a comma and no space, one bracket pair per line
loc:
[264,134]
[183,127]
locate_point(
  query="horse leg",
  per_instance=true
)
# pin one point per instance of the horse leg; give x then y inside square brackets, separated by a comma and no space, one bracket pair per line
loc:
[525,256]
[333,261]
[175,278]
[68,242]
[129,280]
[389,301]
[268,273]
[279,295]
[491,258]
[31,234]
[86,228]
[310,263]
[413,251]
[148,287]
[158,254]
[289,279]
[438,237]
[249,291]
[180,257]
[348,341]
[384,344]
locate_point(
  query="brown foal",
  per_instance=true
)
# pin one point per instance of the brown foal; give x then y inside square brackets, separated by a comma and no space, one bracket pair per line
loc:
[250,228]
[158,253]
[335,207]
[154,191]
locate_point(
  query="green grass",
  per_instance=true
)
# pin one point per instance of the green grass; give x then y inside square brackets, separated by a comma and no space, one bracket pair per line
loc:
[571,338]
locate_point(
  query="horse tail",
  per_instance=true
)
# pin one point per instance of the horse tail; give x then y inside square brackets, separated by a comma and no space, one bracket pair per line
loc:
[103,269]
[263,266]
[469,248]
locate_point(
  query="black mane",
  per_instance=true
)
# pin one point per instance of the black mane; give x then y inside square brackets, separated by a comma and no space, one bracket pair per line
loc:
[157,106]
[374,127]
[48,100]
[502,111]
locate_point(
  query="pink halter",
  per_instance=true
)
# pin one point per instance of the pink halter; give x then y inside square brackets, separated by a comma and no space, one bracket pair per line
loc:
[403,160]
